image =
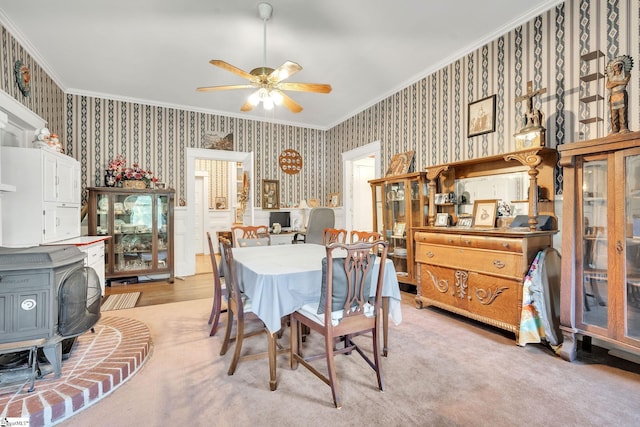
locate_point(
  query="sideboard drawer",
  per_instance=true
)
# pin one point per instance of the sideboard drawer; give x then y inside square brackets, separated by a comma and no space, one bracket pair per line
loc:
[504,264]
[492,243]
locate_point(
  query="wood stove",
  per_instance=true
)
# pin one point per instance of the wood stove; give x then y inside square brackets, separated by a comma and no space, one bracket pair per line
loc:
[46,296]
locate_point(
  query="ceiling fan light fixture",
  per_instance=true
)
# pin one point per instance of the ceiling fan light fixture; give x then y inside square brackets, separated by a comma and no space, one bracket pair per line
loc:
[267,103]
[254,98]
[268,82]
[276,97]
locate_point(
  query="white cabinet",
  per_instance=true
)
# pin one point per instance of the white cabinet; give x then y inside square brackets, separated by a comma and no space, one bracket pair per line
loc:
[46,204]
[281,239]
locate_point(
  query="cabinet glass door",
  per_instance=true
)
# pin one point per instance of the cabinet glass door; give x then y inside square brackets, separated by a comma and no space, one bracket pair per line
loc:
[395,225]
[595,261]
[133,232]
[162,225]
[632,240]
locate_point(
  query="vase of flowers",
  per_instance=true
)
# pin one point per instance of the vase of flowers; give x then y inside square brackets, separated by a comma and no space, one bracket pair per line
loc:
[110,174]
[131,176]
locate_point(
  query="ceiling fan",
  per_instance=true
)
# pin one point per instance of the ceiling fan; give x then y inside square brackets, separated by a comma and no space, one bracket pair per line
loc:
[268,81]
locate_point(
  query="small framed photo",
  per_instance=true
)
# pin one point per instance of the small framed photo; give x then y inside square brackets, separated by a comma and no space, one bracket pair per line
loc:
[440,198]
[270,194]
[465,222]
[333,201]
[221,202]
[484,213]
[399,229]
[442,220]
[481,117]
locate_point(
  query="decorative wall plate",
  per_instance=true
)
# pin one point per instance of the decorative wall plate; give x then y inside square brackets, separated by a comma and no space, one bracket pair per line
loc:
[290,161]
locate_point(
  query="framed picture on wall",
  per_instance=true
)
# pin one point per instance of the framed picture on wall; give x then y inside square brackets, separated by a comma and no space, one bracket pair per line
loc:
[481,117]
[333,200]
[270,194]
[221,202]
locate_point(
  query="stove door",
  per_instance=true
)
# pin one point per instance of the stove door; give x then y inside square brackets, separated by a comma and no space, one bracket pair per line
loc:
[79,302]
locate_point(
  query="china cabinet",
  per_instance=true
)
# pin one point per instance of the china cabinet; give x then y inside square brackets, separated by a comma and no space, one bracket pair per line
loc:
[46,205]
[601,243]
[400,203]
[141,225]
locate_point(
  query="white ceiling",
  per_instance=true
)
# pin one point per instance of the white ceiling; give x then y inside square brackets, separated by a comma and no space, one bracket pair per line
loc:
[157,51]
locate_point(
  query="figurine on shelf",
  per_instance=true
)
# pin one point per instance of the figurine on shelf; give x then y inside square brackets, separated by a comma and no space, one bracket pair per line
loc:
[618,75]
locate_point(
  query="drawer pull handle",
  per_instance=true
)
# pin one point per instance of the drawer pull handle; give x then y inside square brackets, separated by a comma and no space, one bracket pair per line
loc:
[499,264]
[430,254]
[451,240]
[505,244]
[468,242]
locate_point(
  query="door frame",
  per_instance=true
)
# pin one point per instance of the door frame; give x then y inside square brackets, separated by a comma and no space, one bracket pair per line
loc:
[246,158]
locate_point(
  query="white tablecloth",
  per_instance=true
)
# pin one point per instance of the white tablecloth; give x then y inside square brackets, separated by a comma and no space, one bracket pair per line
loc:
[281,279]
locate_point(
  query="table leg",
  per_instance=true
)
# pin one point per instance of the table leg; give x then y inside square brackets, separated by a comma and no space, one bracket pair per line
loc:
[385,324]
[273,384]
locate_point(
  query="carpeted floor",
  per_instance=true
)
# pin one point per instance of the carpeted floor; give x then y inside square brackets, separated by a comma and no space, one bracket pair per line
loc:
[441,370]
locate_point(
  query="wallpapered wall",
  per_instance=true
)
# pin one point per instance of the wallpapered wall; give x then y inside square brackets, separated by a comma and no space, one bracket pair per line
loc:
[428,117]
[218,179]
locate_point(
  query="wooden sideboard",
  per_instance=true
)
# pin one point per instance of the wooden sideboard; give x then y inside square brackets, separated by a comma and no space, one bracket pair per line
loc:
[477,273]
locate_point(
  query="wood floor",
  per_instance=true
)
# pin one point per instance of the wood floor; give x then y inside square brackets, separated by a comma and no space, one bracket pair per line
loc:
[189,288]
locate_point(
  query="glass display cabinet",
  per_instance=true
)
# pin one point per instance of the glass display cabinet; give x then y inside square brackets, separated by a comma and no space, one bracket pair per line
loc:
[601,243]
[400,203]
[141,225]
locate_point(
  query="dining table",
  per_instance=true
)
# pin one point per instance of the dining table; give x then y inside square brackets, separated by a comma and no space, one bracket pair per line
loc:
[281,279]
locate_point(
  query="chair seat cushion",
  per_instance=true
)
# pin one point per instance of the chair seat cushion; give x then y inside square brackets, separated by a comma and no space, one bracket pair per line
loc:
[311,311]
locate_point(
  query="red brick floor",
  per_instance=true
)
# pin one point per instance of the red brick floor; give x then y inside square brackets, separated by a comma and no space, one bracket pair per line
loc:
[99,363]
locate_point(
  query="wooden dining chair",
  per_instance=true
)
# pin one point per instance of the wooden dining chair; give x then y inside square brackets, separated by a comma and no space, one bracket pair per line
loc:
[334,235]
[345,309]
[250,235]
[239,306]
[364,236]
[219,291]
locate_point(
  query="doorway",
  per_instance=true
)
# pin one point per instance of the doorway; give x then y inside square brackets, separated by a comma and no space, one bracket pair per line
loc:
[359,166]
[185,233]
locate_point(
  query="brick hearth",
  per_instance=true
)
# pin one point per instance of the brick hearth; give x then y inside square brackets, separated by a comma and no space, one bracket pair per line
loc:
[99,363]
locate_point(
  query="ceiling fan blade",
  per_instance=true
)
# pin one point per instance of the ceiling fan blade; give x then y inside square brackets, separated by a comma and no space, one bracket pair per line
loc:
[292,105]
[247,106]
[235,70]
[284,71]
[227,87]
[306,87]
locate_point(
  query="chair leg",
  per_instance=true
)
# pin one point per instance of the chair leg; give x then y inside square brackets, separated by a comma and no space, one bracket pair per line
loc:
[214,318]
[376,359]
[238,349]
[294,343]
[331,368]
[385,325]
[227,333]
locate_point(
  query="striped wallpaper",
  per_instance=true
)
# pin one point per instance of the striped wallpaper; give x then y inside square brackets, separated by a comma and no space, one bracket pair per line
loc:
[429,116]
